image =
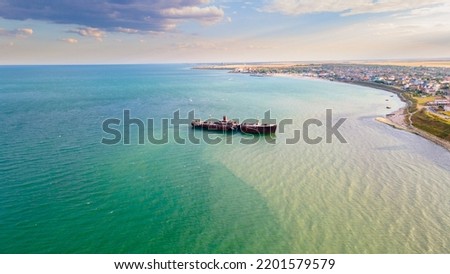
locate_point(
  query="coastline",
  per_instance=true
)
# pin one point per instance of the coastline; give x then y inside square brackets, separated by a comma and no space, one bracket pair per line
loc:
[396,119]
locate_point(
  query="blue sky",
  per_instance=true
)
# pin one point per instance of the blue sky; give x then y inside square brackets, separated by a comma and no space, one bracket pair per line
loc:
[175,31]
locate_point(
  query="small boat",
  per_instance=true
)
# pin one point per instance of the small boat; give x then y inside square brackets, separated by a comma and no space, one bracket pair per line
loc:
[257,128]
[216,125]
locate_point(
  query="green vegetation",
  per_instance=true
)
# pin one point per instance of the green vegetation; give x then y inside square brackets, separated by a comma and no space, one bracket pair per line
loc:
[413,105]
[438,117]
[424,100]
[425,120]
[431,124]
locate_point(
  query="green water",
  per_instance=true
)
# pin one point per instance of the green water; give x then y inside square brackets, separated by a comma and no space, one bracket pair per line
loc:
[62,191]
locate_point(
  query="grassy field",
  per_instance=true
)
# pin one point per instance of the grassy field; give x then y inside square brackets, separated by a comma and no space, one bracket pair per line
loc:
[413,106]
[424,100]
[446,121]
[432,124]
[425,120]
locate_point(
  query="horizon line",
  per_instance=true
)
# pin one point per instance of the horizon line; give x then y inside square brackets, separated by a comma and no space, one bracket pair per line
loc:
[336,61]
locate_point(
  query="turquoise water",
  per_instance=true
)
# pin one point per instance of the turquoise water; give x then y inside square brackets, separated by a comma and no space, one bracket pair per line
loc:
[62,191]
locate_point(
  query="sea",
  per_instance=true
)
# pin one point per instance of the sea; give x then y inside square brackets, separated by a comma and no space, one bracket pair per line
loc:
[74,179]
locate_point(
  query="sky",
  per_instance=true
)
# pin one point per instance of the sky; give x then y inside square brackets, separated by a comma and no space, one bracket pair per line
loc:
[202,31]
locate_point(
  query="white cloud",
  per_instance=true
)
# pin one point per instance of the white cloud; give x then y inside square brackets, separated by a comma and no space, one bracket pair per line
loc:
[136,31]
[393,6]
[126,30]
[22,32]
[421,23]
[297,7]
[70,40]
[399,35]
[90,32]
[428,12]
[208,14]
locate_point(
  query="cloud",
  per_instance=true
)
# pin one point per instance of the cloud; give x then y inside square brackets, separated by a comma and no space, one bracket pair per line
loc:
[297,7]
[206,14]
[135,31]
[22,33]
[136,16]
[90,32]
[126,30]
[70,40]
[428,12]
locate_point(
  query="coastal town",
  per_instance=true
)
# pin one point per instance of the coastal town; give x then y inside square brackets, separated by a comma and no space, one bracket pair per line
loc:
[418,80]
